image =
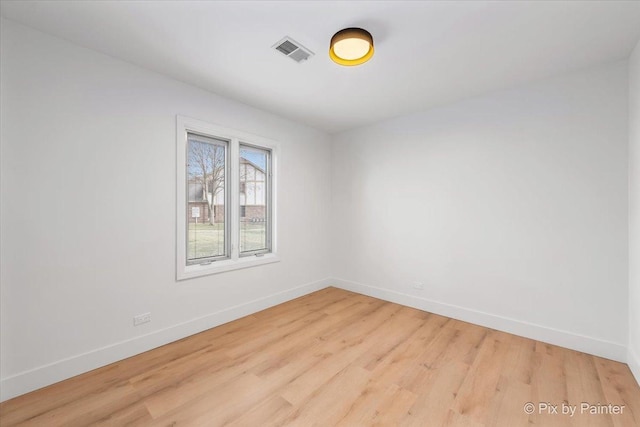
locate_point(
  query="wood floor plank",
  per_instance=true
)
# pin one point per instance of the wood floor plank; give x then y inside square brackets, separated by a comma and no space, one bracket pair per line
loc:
[549,385]
[396,335]
[431,359]
[481,383]
[393,408]
[437,396]
[502,411]
[339,358]
[208,407]
[269,412]
[311,341]
[617,385]
[374,397]
[583,385]
[116,402]
[344,347]
[339,394]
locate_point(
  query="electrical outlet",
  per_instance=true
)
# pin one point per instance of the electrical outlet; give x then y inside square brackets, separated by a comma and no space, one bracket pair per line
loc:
[141,318]
[418,285]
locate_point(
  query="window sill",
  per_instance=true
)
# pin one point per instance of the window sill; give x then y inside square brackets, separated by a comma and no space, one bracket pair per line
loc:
[197,270]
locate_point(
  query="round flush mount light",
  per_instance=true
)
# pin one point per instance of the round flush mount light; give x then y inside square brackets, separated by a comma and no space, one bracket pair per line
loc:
[351,46]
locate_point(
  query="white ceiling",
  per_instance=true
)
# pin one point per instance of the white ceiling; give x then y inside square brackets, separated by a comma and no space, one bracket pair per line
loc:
[427,53]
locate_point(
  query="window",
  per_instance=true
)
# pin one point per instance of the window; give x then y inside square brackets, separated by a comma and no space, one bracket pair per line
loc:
[255,168]
[207,233]
[226,199]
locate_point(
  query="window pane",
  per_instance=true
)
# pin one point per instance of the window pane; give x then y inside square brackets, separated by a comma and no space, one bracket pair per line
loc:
[254,199]
[206,181]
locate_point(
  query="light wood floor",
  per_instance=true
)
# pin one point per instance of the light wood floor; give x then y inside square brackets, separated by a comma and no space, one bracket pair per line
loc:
[338,358]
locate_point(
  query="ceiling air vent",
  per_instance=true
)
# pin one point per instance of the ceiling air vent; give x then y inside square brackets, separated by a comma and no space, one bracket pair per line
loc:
[293,49]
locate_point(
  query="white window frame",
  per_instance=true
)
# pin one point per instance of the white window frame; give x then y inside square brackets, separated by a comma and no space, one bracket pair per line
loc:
[235,138]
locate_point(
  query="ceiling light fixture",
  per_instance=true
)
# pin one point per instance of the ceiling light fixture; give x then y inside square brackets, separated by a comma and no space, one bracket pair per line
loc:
[351,46]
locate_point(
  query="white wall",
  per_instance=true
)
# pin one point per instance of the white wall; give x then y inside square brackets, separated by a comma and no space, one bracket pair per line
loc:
[88,211]
[511,208]
[634,212]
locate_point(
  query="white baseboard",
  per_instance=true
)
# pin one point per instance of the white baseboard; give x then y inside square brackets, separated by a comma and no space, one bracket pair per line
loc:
[585,344]
[633,360]
[42,376]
